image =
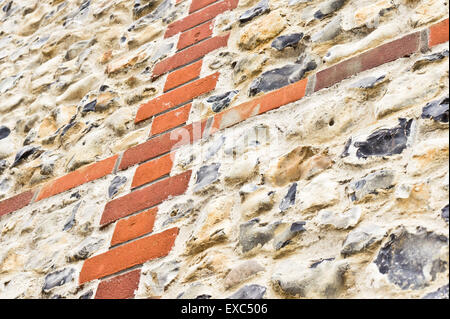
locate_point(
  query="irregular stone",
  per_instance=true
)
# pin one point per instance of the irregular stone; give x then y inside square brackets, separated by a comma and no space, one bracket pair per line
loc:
[207,264]
[115,186]
[328,7]
[428,155]
[370,15]
[289,199]
[369,82]
[249,292]
[437,110]
[257,202]
[262,30]
[85,249]
[71,222]
[289,40]
[242,272]
[214,227]
[441,293]
[429,59]
[323,191]
[161,11]
[294,2]
[179,211]
[261,8]
[247,67]
[58,278]
[444,213]
[303,162]
[142,7]
[9,83]
[161,277]
[4,132]
[329,32]
[325,279]
[215,147]
[23,154]
[361,238]
[242,169]
[220,102]
[206,175]
[340,221]
[131,59]
[76,48]
[280,77]
[412,260]
[385,142]
[371,184]
[284,237]
[252,234]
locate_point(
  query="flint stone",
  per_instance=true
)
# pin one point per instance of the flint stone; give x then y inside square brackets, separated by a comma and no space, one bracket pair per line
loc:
[206,175]
[285,237]
[284,41]
[441,293]
[444,213]
[251,234]
[412,260]
[289,199]
[116,184]
[249,292]
[280,77]
[437,110]
[385,142]
[362,238]
[58,278]
[261,8]
[4,132]
[383,179]
[23,154]
[369,82]
[220,102]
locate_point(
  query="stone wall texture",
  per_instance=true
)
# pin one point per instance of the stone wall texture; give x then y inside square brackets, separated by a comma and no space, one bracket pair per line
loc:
[224,149]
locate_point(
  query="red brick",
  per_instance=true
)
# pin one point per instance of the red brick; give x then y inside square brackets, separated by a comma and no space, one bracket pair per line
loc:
[199,4]
[162,144]
[259,105]
[134,226]
[128,255]
[438,33]
[152,170]
[145,198]
[190,54]
[14,203]
[176,97]
[119,287]
[375,57]
[170,119]
[182,76]
[195,35]
[200,16]
[78,177]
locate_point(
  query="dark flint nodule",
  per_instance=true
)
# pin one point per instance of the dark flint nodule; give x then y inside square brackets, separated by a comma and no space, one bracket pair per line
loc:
[219,102]
[437,110]
[4,132]
[23,154]
[289,199]
[284,41]
[207,175]
[90,107]
[444,213]
[116,183]
[385,142]
[249,292]
[261,8]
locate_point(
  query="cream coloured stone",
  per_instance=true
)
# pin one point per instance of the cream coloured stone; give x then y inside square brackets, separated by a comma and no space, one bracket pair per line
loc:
[262,30]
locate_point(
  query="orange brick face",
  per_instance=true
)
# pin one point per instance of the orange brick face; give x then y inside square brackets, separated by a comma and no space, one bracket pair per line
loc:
[152,170]
[134,227]
[78,177]
[195,35]
[439,33]
[170,119]
[183,75]
[199,4]
[176,97]
[128,255]
[15,203]
[146,197]
[200,16]
[119,287]
[190,54]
